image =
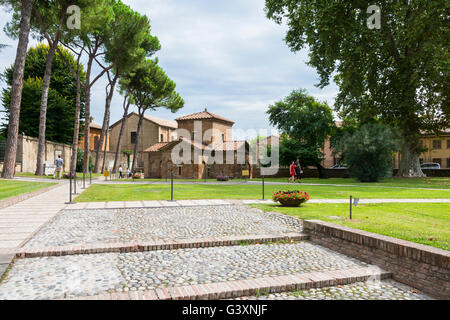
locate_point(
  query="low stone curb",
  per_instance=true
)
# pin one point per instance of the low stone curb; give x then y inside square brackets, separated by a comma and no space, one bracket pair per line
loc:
[14,200]
[154,245]
[249,287]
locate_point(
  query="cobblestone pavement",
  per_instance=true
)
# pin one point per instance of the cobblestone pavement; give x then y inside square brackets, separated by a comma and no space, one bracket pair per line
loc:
[81,275]
[369,290]
[125,225]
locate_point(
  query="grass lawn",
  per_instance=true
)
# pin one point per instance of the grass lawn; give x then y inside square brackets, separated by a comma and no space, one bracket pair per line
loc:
[32,175]
[12,188]
[434,183]
[428,224]
[136,192]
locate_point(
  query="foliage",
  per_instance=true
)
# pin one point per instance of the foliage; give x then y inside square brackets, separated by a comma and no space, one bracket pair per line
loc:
[80,161]
[61,100]
[397,73]
[306,124]
[368,152]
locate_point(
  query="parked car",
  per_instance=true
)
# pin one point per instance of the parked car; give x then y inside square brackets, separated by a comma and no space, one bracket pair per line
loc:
[339,166]
[430,165]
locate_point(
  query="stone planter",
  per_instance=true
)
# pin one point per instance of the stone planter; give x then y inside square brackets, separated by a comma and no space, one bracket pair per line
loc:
[291,202]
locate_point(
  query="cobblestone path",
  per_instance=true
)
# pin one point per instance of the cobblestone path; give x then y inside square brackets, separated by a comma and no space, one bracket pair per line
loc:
[206,271]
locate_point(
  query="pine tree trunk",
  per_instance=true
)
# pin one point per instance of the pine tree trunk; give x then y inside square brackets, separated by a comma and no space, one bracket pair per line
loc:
[122,129]
[105,123]
[409,162]
[138,133]
[87,112]
[9,163]
[43,109]
[76,127]
[104,151]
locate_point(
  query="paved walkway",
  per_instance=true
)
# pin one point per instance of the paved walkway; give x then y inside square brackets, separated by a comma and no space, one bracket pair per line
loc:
[188,249]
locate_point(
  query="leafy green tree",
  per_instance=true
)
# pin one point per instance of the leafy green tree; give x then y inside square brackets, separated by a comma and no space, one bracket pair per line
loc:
[308,124]
[9,163]
[151,89]
[369,151]
[61,96]
[133,29]
[397,73]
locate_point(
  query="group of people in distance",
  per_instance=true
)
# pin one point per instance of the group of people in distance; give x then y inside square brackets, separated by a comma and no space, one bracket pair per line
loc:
[295,171]
[121,171]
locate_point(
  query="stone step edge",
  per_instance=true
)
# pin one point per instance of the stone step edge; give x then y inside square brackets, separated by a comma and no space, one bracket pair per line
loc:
[155,245]
[249,287]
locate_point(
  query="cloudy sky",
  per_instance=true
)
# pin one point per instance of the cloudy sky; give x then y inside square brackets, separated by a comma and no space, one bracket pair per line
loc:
[223,55]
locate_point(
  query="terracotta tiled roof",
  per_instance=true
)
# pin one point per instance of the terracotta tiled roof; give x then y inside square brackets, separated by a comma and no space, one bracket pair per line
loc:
[95,126]
[156,147]
[162,122]
[203,115]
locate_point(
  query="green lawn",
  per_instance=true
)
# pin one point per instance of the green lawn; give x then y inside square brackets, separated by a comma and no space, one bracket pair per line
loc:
[32,175]
[136,192]
[436,183]
[428,224]
[12,188]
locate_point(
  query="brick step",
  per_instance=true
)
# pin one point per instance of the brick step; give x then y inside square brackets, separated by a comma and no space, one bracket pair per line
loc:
[249,287]
[156,245]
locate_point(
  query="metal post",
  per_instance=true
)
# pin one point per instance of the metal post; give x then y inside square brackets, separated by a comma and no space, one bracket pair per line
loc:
[75,182]
[351,200]
[263,198]
[90,176]
[70,189]
[84,179]
[171,185]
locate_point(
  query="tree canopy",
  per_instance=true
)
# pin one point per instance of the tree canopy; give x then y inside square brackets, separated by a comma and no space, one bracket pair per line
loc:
[306,123]
[61,96]
[397,73]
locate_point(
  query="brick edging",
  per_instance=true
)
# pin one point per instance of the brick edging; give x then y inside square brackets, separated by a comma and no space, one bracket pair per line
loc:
[248,287]
[154,245]
[423,267]
[5,203]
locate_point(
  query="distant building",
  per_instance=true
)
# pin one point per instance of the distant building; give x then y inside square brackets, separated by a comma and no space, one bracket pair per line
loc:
[95,131]
[154,130]
[158,161]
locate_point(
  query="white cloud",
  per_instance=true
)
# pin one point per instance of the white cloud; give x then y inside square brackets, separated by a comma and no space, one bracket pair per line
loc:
[223,55]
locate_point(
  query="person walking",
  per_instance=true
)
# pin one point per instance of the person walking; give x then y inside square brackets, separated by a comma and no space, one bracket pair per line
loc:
[298,170]
[292,172]
[120,172]
[59,164]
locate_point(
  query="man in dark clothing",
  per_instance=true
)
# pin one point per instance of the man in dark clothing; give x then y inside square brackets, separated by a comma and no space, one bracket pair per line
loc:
[298,170]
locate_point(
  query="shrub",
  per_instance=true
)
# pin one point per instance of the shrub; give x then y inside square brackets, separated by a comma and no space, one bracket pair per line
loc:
[223,178]
[369,151]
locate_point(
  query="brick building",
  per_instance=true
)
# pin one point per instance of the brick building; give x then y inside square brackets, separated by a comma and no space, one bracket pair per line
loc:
[203,139]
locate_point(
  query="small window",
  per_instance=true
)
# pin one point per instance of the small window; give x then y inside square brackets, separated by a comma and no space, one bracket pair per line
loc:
[162,138]
[437,144]
[180,171]
[448,163]
[133,137]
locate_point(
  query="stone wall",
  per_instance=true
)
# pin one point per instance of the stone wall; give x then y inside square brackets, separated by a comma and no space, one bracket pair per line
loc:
[419,266]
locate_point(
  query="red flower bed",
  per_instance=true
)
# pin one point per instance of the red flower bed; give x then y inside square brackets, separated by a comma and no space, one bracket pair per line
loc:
[291,198]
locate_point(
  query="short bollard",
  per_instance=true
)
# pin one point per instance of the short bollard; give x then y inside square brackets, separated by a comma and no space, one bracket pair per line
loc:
[70,189]
[351,203]
[171,186]
[90,176]
[84,179]
[74,182]
[263,195]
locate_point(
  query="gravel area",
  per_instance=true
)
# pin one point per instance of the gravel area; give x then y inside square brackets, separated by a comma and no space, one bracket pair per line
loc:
[57,277]
[370,290]
[124,225]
